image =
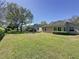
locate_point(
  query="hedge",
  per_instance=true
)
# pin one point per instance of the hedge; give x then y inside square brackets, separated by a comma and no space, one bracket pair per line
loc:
[2,33]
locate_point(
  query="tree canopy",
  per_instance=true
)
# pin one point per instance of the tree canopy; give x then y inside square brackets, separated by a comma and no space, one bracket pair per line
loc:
[43,23]
[18,16]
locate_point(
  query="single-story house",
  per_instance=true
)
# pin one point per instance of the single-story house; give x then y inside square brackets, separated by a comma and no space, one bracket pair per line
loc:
[61,27]
[47,28]
[37,27]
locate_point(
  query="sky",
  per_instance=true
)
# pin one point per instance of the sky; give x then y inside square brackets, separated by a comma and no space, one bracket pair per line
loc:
[50,10]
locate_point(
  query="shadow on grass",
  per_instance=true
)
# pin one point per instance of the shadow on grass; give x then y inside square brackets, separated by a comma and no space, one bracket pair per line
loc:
[2,36]
[15,32]
[66,34]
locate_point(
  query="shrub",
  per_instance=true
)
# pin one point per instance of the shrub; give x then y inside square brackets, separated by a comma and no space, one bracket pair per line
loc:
[30,29]
[1,33]
[2,29]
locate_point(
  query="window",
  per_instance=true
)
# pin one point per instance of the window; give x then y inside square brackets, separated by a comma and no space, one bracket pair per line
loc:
[71,29]
[59,28]
[64,28]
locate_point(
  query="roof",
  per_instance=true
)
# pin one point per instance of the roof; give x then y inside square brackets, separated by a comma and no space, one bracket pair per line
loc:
[60,24]
[63,23]
[47,25]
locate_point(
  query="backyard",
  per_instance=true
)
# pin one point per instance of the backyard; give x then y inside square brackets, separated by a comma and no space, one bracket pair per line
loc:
[39,46]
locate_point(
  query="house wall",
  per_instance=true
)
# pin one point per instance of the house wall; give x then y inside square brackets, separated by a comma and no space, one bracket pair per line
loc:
[64,29]
[39,29]
[67,27]
[47,29]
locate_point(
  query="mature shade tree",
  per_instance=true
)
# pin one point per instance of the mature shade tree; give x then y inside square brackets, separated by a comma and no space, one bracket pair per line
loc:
[18,16]
[74,20]
[26,17]
[2,11]
[43,23]
[2,3]
[12,15]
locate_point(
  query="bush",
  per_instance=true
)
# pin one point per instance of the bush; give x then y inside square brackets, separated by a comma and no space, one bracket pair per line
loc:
[1,33]
[2,30]
[30,29]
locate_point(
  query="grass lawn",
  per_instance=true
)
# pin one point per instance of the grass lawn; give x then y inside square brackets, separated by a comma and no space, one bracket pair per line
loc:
[39,46]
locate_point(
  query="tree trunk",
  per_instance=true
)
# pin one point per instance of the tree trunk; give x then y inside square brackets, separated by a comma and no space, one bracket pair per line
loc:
[17,29]
[21,28]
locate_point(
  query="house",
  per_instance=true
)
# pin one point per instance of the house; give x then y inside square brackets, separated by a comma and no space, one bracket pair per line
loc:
[47,28]
[64,27]
[61,27]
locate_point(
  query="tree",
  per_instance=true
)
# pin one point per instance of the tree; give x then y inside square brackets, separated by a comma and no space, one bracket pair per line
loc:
[43,23]
[74,20]
[18,16]
[25,17]
[2,11]
[2,3]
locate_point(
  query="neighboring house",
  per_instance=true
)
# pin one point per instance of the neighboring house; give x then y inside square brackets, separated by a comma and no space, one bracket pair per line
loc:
[61,27]
[40,29]
[37,27]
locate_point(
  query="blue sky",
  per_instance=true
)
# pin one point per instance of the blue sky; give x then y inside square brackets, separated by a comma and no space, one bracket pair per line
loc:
[50,10]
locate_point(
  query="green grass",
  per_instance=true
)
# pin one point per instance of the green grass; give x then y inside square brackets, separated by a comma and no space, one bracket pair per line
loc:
[39,46]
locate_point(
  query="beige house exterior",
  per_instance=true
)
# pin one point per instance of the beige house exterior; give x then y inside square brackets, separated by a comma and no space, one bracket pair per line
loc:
[47,29]
[61,28]
[66,27]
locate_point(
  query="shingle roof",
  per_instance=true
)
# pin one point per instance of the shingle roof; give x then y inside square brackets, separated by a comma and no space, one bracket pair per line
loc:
[59,23]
